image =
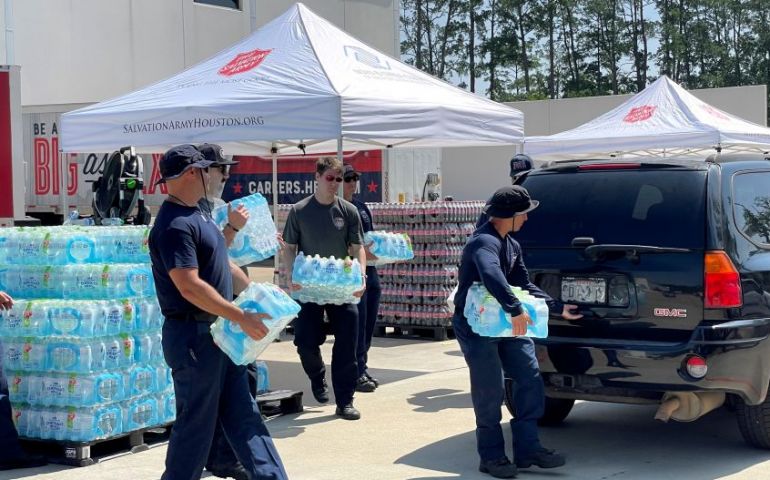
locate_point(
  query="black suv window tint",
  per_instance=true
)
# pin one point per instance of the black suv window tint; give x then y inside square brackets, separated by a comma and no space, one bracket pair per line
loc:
[751,205]
[639,207]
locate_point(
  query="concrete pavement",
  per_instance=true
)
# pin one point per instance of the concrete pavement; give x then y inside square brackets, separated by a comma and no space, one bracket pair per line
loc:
[419,425]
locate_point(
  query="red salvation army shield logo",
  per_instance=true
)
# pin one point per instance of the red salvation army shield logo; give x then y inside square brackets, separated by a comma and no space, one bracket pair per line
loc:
[639,114]
[243,62]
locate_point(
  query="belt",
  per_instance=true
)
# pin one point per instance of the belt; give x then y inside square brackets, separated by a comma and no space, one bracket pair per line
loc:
[202,317]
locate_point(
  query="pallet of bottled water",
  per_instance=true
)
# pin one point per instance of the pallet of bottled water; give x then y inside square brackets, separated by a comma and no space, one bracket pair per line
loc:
[258,298]
[388,247]
[487,318]
[82,343]
[325,280]
[257,240]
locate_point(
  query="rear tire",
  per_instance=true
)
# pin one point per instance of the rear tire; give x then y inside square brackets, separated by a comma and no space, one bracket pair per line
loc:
[754,422]
[554,413]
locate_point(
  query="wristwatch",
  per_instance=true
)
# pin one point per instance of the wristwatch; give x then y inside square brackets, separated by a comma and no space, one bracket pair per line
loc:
[236,230]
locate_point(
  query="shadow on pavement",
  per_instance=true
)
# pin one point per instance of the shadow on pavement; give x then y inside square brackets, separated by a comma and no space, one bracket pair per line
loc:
[431,401]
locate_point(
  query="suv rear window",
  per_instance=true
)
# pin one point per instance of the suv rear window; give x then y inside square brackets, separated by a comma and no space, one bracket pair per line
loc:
[655,207]
[751,205]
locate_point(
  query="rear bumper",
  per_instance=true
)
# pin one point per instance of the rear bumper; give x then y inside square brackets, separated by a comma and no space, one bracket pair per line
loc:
[737,353]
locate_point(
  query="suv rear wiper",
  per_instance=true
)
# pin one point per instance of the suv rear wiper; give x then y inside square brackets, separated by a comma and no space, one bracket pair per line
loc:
[596,252]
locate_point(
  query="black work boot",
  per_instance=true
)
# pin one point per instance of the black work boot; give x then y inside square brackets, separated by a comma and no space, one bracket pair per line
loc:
[500,468]
[320,390]
[364,385]
[348,412]
[543,458]
[235,471]
[372,379]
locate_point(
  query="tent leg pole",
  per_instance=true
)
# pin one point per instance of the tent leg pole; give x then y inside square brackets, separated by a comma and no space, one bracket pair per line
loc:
[274,158]
[63,186]
[339,157]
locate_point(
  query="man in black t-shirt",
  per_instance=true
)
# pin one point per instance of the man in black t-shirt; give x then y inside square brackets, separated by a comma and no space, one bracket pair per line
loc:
[195,282]
[324,224]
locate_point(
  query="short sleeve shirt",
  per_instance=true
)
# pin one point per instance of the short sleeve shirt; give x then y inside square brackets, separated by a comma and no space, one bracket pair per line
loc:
[185,237]
[325,230]
[367,221]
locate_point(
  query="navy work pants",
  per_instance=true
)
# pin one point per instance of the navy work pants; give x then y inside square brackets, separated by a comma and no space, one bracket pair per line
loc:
[310,334]
[210,387]
[222,454]
[368,308]
[487,359]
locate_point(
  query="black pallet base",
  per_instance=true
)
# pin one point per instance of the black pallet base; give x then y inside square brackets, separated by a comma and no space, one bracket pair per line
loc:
[83,454]
[438,333]
[280,402]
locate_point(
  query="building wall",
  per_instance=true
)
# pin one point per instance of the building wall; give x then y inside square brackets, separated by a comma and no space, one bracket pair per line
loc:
[84,51]
[473,173]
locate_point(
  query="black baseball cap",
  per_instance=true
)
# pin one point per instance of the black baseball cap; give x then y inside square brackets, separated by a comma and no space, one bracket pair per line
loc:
[520,162]
[349,172]
[214,153]
[178,159]
[509,201]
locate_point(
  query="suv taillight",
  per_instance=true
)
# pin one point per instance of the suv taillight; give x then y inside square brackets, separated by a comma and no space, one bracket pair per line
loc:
[722,282]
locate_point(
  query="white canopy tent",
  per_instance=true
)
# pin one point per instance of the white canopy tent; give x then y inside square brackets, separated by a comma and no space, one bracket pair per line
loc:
[298,80]
[662,120]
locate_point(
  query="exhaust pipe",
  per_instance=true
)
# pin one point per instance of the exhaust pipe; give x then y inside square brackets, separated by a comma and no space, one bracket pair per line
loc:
[688,406]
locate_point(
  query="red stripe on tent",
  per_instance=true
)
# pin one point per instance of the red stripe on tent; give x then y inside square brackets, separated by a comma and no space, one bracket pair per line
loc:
[6,154]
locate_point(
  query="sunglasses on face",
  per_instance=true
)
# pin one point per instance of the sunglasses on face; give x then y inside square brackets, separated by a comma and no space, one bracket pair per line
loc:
[351,179]
[332,178]
[225,169]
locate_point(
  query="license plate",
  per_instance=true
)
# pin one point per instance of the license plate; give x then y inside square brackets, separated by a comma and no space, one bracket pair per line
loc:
[584,290]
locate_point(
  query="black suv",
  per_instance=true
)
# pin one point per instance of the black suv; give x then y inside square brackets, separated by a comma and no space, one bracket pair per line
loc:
[669,261]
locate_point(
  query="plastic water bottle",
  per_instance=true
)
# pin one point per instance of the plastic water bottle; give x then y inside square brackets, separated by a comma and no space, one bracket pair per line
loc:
[140,413]
[142,380]
[75,355]
[143,348]
[259,298]
[263,377]
[80,248]
[93,389]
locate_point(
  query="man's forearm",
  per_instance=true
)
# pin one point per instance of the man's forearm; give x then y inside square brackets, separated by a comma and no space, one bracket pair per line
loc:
[229,235]
[240,279]
[288,254]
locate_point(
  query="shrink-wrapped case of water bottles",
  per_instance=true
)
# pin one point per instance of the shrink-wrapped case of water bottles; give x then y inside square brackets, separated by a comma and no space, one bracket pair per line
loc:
[487,318]
[325,280]
[258,298]
[82,343]
[388,247]
[256,240]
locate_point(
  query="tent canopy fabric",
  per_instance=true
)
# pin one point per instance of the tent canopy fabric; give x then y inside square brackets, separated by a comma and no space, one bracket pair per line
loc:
[297,80]
[661,119]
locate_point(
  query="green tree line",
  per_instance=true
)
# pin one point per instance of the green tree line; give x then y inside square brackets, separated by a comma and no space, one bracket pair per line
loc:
[536,49]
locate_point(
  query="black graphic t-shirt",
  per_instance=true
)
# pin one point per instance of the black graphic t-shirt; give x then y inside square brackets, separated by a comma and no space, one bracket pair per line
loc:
[323,230]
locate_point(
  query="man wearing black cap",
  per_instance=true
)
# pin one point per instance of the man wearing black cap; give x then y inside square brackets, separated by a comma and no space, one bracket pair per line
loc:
[195,282]
[222,461]
[494,258]
[370,301]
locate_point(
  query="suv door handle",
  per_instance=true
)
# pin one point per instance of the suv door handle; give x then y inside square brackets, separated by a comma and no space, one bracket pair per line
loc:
[582,241]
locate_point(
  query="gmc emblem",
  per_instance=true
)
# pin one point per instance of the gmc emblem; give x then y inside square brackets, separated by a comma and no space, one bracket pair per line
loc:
[670,312]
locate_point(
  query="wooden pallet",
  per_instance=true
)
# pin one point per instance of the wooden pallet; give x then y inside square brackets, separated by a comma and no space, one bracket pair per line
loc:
[83,454]
[421,332]
[279,402]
